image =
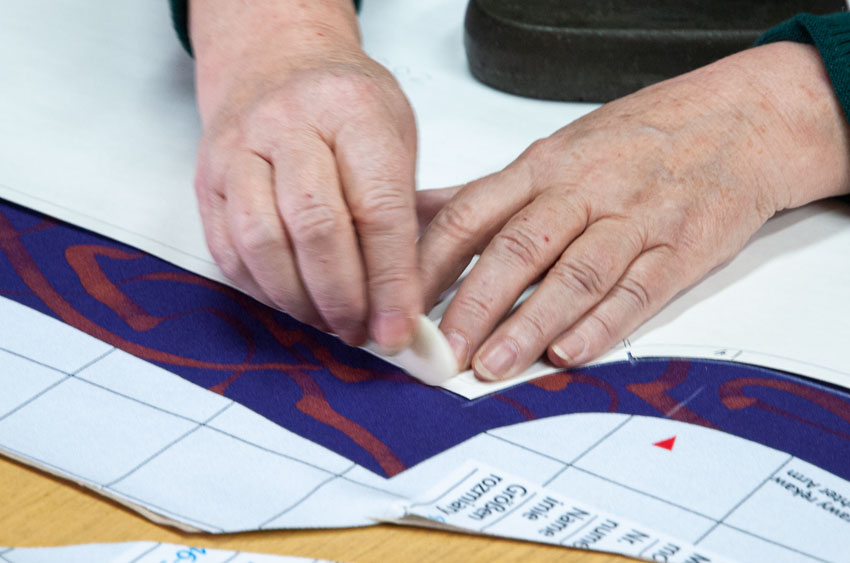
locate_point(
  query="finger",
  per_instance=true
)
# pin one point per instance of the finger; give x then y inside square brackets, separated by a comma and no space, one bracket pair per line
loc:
[649,283]
[466,224]
[526,246]
[430,202]
[377,172]
[211,204]
[260,239]
[314,212]
[583,276]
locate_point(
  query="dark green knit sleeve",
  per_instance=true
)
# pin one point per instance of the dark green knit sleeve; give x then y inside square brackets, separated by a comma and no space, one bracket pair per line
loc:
[830,34]
[180,17]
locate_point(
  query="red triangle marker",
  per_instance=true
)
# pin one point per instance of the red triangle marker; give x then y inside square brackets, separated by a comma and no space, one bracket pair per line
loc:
[666,444]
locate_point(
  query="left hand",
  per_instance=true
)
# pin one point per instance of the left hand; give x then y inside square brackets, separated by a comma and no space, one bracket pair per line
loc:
[628,206]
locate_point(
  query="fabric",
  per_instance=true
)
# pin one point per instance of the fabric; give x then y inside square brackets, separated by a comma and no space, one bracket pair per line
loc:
[355,404]
[830,34]
[180,17]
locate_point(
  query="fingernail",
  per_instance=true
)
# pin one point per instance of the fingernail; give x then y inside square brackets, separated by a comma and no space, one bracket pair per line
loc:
[460,347]
[393,331]
[496,361]
[570,349]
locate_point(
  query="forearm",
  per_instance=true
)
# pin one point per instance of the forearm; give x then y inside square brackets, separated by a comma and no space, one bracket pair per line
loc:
[233,40]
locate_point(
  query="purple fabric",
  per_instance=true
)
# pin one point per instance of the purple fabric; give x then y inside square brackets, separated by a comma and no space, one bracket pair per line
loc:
[355,404]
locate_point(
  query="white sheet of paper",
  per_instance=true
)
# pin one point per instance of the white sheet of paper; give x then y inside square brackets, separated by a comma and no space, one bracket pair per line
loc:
[100,129]
[139,552]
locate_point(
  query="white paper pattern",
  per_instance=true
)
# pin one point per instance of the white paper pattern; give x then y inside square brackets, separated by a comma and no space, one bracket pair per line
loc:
[191,458]
[139,552]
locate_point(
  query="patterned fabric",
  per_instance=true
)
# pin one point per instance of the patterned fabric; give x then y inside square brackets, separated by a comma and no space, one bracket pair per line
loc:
[354,403]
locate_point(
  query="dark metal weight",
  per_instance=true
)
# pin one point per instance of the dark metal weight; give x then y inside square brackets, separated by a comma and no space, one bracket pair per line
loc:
[598,50]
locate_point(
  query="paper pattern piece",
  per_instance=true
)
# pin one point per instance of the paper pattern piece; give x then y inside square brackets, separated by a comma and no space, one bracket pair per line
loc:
[485,500]
[186,456]
[120,142]
[171,444]
[139,552]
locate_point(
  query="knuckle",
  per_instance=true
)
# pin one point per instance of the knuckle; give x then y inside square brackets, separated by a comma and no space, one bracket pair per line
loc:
[604,327]
[380,209]
[341,315]
[362,90]
[453,221]
[473,308]
[345,86]
[539,151]
[580,275]
[637,293]
[316,223]
[536,326]
[677,221]
[395,278]
[229,264]
[519,247]
[258,235]
[282,299]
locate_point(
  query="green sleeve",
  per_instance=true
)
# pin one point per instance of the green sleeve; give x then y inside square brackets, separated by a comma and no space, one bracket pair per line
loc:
[830,34]
[180,17]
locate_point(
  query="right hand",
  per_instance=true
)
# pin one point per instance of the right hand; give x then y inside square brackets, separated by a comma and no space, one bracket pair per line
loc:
[305,174]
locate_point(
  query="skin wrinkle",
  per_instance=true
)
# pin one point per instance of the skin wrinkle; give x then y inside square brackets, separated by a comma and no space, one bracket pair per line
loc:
[691,167]
[683,174]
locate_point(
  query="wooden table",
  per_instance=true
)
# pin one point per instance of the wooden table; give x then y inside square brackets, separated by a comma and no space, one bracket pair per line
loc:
[41,510]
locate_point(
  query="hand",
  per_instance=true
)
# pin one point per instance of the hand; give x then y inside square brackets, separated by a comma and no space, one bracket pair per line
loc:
[305,175]
[631,204]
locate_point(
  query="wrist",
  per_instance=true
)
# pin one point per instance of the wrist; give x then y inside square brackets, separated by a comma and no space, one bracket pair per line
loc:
[805,126]
[235,42]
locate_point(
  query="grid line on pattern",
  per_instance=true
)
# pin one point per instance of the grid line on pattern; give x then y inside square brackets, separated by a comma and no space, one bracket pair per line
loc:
[170,513]
[532,450]
[144,553]
[588,450]
[776,543]
[297,502]
[167,447]
[34,397]
[644,493]
[52,385]
[33,360]
[333,476]
[745,499]
[136,399]
[204,424]
[87,365]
